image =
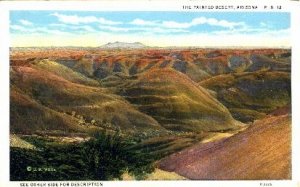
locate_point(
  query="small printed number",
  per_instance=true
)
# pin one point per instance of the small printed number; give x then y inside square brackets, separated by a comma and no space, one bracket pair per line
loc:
[265,184]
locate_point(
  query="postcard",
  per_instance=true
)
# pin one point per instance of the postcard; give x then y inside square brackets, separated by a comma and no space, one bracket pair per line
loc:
[143,93]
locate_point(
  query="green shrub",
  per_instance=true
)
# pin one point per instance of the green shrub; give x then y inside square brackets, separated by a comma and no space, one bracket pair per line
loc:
[104,157]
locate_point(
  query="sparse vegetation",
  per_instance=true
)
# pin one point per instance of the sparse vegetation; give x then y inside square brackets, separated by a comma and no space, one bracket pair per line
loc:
[104,157]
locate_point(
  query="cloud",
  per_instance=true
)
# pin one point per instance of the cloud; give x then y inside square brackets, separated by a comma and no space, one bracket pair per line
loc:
[115,29]
[201,21]
[263,24]
[75,20]
[18,28]
[58,25]
[164,30]
[74,27]
[141,22]
[187,25]
[54,32]
[37,30]
[254,31]
[108,22]
[276,33]
[87,28]
[25,22]
[142,30]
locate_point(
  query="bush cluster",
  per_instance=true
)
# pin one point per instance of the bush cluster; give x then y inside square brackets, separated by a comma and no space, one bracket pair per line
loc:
[104,157]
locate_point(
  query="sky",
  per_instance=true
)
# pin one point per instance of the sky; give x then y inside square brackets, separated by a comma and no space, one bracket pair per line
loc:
[162,29]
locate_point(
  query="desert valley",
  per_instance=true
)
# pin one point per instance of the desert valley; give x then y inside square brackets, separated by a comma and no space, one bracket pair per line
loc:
[125,111]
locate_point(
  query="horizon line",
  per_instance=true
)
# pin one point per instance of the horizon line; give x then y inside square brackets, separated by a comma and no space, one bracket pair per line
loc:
[161,47]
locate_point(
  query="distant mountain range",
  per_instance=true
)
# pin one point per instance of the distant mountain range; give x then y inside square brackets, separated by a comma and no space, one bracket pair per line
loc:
[124,45]
[139,45]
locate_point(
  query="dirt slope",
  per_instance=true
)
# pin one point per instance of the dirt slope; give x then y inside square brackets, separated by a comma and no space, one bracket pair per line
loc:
[177,103]
[263,151]
[251,95]
[48,94]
